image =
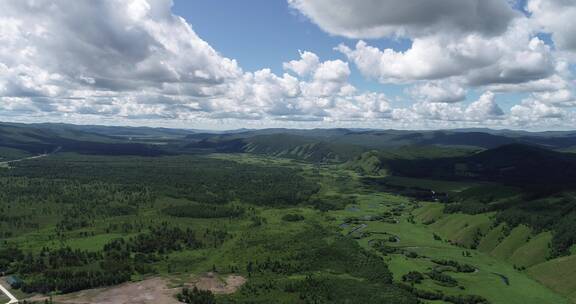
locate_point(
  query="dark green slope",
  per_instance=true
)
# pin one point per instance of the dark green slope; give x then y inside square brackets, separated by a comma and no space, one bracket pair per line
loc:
[512,164]
[318,145]
[346,144]
[521,184]
[37,139]
[280,145]
[475,139]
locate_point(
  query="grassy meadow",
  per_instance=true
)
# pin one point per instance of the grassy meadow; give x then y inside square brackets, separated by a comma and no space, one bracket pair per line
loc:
[338,241]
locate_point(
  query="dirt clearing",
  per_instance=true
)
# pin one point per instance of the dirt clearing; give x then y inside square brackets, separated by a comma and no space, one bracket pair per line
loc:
[149,291]
[212,282]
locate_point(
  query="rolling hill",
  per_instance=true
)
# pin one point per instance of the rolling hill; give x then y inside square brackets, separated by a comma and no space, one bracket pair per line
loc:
[37,139]
[511,164]
[317,145]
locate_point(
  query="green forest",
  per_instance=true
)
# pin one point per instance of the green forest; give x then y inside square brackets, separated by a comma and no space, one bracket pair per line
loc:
[406,224]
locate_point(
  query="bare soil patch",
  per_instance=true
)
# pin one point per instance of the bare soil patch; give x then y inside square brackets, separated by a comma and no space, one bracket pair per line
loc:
[149,291]
[212,282]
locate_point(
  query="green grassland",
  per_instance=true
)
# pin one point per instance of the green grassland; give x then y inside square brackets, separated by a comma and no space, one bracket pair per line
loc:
[462,229]
[534,252]
[327,254]
[283,260]
[517,237]
[418,238]
[518,247]
[558,274]
[429,213]
[492,238]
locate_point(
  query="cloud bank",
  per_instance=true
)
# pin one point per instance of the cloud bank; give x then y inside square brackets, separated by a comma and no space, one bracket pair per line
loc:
[135,60]
[458,46]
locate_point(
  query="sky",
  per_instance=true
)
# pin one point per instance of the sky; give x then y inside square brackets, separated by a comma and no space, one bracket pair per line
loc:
[226,64]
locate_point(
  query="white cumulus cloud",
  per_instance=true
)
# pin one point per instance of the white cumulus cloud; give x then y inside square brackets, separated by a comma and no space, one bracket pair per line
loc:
[128,60]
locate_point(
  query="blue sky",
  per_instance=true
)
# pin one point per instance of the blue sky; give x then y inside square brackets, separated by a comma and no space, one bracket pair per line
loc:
[265,33]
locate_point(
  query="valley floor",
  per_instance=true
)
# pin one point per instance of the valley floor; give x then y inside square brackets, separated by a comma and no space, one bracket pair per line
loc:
[410,236]
[493,279]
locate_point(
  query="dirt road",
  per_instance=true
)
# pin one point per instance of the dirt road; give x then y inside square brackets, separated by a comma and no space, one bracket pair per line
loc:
[8,162]
[9,295]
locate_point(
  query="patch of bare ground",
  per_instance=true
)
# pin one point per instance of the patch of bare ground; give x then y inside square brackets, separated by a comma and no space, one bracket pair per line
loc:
[149,291]
[212,282]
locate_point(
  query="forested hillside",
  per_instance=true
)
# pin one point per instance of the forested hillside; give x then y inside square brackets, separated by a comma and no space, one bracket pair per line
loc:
[306,216]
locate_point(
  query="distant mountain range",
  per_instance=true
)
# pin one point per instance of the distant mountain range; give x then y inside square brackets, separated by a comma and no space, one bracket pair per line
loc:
[317,145]
[345,144]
